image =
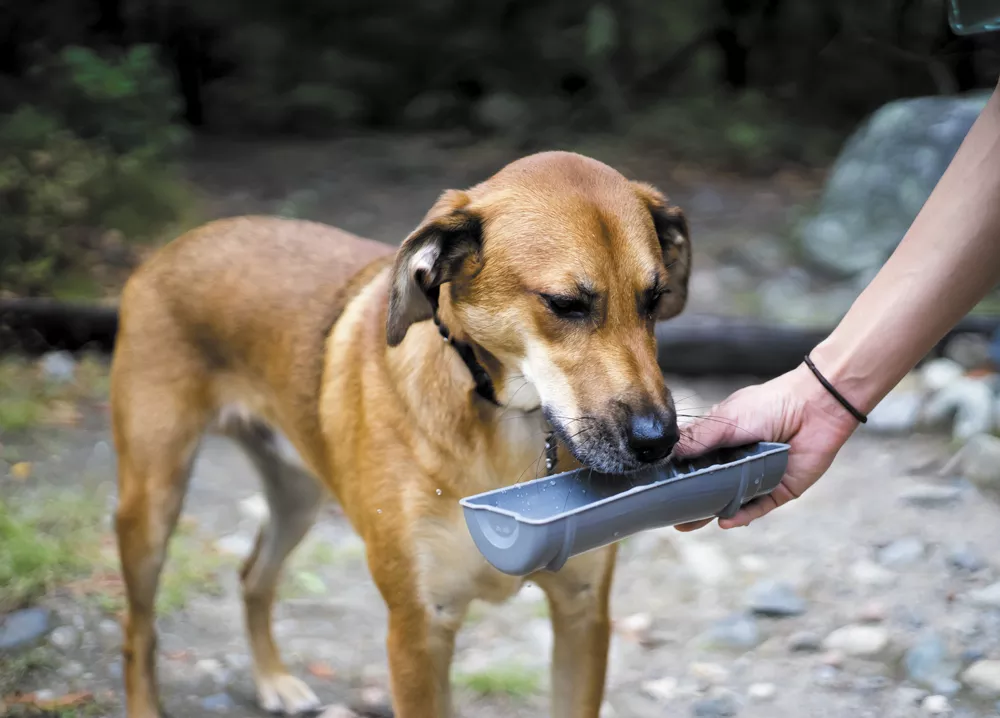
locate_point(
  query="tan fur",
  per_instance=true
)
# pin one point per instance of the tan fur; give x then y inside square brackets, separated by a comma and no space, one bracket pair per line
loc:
[258,325]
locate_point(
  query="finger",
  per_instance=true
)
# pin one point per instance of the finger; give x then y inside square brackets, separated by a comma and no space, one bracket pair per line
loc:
[720,428]
[759,507]
[693,525]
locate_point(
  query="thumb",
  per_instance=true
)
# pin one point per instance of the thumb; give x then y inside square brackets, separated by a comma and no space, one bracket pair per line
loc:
[722,427]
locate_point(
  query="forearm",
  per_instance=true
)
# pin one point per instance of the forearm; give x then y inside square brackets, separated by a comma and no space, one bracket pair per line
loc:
[947,262]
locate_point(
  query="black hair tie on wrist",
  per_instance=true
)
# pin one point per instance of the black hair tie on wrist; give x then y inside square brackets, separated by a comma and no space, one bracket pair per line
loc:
[836,394]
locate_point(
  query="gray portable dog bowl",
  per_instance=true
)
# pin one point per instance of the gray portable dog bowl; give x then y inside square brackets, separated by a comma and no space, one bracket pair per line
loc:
[540,524]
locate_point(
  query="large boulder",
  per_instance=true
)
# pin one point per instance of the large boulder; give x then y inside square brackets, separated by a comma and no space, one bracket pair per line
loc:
[882,178]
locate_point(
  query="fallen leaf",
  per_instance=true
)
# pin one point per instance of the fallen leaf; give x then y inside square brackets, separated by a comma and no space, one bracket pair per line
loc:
[179,655]
[67,701]
[322,670]
[63,413]
[21,470]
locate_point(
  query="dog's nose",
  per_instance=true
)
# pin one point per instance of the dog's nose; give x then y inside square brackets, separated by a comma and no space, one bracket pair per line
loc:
[650,438]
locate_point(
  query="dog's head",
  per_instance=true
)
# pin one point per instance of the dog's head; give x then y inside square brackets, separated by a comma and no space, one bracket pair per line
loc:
[557,268]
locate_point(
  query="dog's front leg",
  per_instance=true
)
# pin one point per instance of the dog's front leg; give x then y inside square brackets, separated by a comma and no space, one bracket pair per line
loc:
[420,645]
[581,623]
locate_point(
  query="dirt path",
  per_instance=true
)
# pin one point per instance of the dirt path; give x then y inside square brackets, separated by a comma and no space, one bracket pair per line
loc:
[684,644]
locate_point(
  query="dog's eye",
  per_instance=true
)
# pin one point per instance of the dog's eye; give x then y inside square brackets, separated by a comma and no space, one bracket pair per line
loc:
[568,307]
[652,302]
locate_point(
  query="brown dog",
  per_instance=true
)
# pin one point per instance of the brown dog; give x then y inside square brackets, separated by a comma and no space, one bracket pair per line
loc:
[313,350]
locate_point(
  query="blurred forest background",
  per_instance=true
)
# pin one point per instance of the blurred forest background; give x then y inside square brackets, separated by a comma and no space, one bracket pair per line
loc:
[101,101]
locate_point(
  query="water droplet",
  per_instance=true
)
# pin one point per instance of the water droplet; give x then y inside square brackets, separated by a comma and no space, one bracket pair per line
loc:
[616,534]
[439,492]
[552,483]
[378,511]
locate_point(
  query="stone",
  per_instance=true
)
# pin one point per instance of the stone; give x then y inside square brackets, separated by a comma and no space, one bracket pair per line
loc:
[662,690]
[212,669]
[110,629]
[966,558]
[101,461]
[71,669]
[970,351]
[773,599]
[931,496]
[936,705]
[762,692]
[64,637]
[804,642]
[709,674]
[236,661]
[988,597]
[901,552]
[218,703]
[859,641]
[636,627]
[881,179]
[736,632]
[979,462]
[897,413]
[374,696]
[235,544]
[23,628]
[255,508]
[869,573]
[751,563]
[983,678]
[969,401]
[723,706]
[58,367]
[337,711]
[928,664]
[502,112]
[826,676]
[706,561]
[936,374]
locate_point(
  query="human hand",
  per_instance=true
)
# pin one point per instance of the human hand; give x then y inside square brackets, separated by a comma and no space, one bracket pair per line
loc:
[794,409]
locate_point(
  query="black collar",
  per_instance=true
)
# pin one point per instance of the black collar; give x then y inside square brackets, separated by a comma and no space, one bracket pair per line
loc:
[484,383]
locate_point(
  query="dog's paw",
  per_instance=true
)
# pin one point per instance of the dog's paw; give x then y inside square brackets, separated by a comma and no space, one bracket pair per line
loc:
[286,694]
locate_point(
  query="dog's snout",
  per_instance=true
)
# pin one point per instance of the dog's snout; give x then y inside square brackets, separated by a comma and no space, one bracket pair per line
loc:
[651,437]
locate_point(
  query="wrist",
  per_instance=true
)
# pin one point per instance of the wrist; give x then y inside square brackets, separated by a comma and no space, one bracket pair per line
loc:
[818,401]
[854,378]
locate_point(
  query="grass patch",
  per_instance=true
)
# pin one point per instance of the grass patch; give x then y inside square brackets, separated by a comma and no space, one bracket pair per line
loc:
[16,668]
[29,400]
[512,680]
[192,568]
[46,540]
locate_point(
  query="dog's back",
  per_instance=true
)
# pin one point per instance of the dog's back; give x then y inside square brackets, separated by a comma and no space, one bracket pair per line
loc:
[239,310]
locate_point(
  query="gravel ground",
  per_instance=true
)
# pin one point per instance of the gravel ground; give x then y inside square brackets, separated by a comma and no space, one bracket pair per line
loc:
[813,612]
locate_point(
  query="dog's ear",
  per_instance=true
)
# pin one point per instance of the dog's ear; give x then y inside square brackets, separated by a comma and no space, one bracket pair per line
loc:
[430,256]
[675,241]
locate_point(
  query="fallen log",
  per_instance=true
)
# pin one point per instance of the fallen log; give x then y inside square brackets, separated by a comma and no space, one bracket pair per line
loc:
[706,345]
[35,326]
[695,345]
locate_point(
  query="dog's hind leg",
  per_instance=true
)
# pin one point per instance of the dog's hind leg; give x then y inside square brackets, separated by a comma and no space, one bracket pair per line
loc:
[157,425]
[293,498]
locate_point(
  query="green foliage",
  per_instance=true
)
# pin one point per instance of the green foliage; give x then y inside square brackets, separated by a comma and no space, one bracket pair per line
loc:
[128,104]
[745,131]
[97,158]
[513,680]
[45,542]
